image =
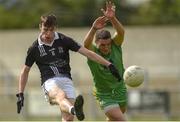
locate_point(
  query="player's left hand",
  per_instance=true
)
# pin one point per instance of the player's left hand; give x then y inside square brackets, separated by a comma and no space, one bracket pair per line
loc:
[109,12]
[114,71]
[20,101]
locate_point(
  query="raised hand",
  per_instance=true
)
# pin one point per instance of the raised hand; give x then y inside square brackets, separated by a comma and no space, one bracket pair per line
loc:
[110,10]
[100,22]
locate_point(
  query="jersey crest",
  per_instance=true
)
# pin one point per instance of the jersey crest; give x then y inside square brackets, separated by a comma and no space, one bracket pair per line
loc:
[52,50]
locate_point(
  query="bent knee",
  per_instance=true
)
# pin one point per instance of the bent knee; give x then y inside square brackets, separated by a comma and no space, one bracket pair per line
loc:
[56,96]
[61,95]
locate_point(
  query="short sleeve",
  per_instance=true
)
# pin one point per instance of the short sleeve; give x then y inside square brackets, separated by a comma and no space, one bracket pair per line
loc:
[30,59]
[72,44]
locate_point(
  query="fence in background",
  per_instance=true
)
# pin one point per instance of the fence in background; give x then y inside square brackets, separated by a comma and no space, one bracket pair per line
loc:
[156,49]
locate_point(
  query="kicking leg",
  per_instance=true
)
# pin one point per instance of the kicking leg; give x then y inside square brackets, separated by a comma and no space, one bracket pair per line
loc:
[61,92]
[57,96]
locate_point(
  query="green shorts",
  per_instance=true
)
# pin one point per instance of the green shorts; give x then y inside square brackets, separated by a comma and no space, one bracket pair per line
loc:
[112,99]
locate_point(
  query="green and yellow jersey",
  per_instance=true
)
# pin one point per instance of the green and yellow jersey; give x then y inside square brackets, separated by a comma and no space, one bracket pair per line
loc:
[104,81]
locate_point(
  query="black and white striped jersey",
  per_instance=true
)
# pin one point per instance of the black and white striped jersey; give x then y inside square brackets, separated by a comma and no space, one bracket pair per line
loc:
[52,60]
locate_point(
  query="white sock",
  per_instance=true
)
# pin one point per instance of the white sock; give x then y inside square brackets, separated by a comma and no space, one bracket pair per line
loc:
[71,110]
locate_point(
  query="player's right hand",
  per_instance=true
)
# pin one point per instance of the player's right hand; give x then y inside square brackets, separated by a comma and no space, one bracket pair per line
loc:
[20,101]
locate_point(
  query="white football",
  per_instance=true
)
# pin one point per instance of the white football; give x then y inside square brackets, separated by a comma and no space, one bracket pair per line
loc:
[134,76]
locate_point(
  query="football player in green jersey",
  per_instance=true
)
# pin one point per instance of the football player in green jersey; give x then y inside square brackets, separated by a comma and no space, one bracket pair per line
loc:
[110,93]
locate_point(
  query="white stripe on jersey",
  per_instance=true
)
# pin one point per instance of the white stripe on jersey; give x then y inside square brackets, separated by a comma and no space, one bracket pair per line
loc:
[42,51]
[55,70]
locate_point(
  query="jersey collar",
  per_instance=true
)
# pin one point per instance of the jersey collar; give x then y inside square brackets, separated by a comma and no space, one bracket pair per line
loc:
[40,42]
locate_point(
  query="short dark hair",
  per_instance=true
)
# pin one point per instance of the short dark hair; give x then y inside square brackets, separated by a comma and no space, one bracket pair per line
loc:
[102,34]
[49,20]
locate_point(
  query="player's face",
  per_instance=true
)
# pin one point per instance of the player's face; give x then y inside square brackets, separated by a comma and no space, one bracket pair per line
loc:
[47,33]
[104,46]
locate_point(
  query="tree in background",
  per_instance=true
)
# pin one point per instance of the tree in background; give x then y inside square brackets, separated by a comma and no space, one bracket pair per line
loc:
[77,13]
[26,13]
[158,12]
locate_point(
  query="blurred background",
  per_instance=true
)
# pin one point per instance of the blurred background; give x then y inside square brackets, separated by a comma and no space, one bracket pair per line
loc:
[152,41]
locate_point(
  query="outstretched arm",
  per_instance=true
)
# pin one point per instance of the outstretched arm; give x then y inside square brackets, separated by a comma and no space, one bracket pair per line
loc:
[110,14]
[93,56]
[99,23]
[99,59]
